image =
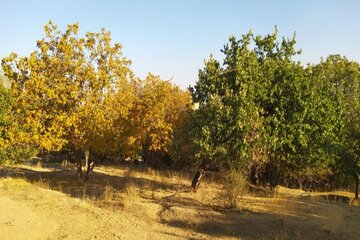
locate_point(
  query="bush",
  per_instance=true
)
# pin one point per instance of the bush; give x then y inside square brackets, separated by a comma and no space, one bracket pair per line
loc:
[17,154]
[234,186]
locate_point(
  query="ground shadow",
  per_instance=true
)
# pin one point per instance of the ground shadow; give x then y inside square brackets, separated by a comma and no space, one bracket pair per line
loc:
[330,198]
[67,182]
[306,220]
[246,224]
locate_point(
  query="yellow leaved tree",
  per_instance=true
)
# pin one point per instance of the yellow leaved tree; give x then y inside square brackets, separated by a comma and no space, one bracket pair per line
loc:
[158,112]
[65,90]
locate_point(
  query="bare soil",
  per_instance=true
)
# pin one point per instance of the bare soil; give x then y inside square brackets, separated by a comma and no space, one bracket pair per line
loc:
[134,202]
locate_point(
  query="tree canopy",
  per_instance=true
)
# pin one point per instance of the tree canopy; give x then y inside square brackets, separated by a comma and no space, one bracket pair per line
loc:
[264,113]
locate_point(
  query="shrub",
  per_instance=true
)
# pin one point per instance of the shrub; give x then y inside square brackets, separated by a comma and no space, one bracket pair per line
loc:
[234,186]
[17,154]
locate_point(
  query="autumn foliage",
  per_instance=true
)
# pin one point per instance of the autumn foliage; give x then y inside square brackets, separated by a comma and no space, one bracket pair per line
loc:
[79,93]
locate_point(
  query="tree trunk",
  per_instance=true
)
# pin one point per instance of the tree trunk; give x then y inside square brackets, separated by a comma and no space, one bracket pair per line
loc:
[257,175]
[65,164]
[197,179]
[356,186]
[198,176]
[87,165]
[79,167]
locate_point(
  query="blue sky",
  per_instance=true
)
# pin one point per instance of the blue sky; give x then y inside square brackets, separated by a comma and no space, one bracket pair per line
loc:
[172,38]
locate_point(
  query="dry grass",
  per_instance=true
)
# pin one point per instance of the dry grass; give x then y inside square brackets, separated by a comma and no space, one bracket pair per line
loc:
[11,184]
[132,191]
[42,183]
[109,193]
[160,205]
[282,235]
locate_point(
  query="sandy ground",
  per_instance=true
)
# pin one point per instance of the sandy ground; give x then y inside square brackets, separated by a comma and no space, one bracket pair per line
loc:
[123,203]
[30,212]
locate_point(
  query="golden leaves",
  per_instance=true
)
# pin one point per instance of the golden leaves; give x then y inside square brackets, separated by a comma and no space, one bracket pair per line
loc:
[80,90]
[157,109]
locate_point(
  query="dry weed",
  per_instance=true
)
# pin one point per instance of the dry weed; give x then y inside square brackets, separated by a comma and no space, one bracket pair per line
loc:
[132,190]
[109,193]
[234,186]
[131,196]
[282,235]
[42,183]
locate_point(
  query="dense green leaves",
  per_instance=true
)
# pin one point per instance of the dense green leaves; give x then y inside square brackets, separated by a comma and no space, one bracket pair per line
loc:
[340,80]
[259,109]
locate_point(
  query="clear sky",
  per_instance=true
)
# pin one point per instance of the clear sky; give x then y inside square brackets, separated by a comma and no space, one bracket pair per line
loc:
[172,38]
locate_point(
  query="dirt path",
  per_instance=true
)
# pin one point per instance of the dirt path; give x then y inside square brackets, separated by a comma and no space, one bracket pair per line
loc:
[19,221]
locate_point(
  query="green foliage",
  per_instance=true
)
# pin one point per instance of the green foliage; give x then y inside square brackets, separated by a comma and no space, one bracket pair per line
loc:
[18,154]
[227,111]
[260,107]
[340,79]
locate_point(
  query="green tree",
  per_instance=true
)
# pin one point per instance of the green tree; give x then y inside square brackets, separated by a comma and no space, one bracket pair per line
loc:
[340,80]
[227,114]
[259,110]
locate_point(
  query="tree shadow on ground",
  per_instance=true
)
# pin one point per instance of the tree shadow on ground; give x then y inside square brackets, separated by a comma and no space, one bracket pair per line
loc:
[247,224]
[330,198]
[304,219]
[67,182]
[227,225]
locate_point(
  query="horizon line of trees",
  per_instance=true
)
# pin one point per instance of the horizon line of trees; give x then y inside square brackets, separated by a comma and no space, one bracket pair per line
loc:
[258,111]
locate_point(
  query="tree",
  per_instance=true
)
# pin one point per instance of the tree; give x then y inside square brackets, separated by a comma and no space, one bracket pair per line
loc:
[227,111]
[258,112]
[340,79]
[63,88]
[158,113]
